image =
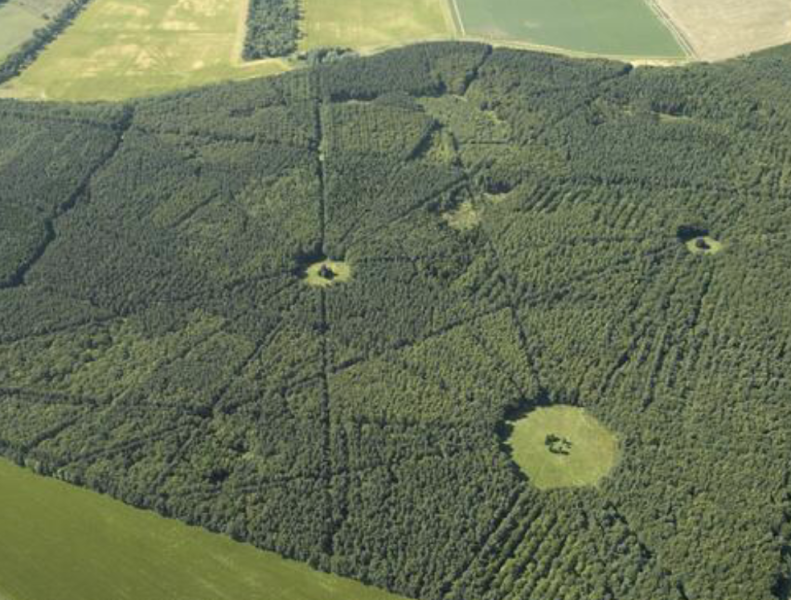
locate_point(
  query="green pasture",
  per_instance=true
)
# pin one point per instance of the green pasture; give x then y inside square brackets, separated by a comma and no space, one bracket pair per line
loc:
[370,24]
[20,18]
[592,450]
[610,27]
[16,26]
[118,49]
[60,542]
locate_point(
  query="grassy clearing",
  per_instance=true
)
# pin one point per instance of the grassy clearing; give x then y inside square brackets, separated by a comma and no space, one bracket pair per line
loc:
[122,48]
[704,245]
[64,543]
[592,453]
[464,218]
[370,24]
[328,273]
[607,27]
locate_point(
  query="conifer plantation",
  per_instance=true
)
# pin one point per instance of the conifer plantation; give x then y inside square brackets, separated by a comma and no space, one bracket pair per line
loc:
[305,311]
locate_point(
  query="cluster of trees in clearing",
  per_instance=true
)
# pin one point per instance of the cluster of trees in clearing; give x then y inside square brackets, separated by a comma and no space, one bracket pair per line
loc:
[157,342]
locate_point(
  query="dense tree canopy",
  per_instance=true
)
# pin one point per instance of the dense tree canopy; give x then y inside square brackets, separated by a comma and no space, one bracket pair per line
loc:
[158,343]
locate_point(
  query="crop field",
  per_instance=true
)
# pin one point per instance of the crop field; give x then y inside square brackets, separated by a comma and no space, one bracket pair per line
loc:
[720,29]
[20,18]
[626,28]
[65,543]
[370,24]
[122,48]
[563,446]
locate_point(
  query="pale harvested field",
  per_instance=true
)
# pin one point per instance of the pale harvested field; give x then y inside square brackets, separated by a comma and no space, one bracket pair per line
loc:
[720,29]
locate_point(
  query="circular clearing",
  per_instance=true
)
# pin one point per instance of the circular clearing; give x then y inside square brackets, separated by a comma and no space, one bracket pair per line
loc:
[704,245]
[563,446]
[327,272]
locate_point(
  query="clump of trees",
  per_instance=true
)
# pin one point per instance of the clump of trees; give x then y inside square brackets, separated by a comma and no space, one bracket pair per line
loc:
[272,29]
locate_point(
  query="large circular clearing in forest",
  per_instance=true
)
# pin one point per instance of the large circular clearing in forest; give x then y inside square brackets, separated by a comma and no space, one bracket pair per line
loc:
[563,446]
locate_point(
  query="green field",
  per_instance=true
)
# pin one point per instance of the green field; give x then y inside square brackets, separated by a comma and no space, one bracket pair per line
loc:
[122,48]
[20,18]
[16,25]
[65,543]
[591,453]
[610,27]
[370,24]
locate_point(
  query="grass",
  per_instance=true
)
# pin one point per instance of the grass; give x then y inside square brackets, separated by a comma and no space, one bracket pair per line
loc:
[464,218]
[16,26]
[342,273]
[627,28]
[20,18]
[65,543]
[119,49]
[712,245]
[371,24]
[592,454]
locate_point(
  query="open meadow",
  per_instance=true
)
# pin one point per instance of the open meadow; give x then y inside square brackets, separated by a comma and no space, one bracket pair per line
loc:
[563,446]
[626,28]
[371,24]
[65,543]
[122,48]
[20,18]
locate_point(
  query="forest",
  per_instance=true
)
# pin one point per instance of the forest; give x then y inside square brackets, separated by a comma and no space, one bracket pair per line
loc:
[159,343]
[272,29]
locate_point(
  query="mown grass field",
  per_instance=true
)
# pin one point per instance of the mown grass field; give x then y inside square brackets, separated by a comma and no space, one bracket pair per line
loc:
[20,18]
[65,543]
[625,28]
[371,24]
[592,454]
[122,48]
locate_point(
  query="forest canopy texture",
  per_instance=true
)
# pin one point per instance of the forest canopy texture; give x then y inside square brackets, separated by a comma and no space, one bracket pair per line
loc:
[517,230]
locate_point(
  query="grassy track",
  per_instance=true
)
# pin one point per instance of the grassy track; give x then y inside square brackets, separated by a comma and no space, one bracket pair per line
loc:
[370,24]
[123,48]
[65,543]
[607,27]
[592,454]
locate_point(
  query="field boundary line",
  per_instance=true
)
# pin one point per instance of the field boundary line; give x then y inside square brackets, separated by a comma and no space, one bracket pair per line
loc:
[686,45]
[455,15]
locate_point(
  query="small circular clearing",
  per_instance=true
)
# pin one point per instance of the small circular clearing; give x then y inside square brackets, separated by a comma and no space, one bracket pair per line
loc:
[563,446]
[327,273]
[704,245]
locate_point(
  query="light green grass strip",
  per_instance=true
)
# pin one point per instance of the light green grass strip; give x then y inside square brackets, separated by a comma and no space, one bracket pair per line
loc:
[59,542]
